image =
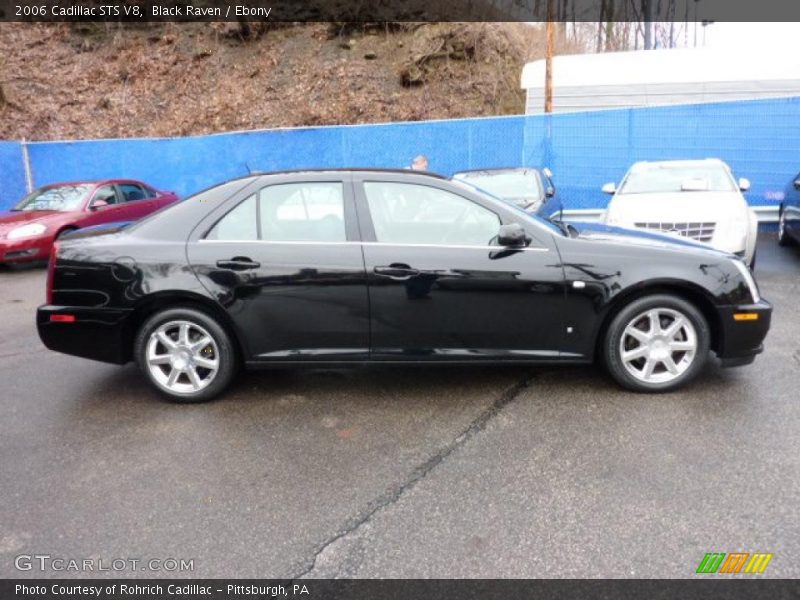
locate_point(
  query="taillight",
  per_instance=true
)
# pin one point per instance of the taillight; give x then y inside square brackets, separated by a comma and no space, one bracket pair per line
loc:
[62,318]
[51,271]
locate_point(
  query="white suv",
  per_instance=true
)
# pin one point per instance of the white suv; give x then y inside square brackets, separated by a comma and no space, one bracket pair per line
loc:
[695,199]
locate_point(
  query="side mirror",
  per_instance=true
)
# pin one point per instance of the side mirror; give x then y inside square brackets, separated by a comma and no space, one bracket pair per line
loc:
[512,235]
[549,191]
[547,173]
[98,204]
[744,184]
[797,184]
[610,189]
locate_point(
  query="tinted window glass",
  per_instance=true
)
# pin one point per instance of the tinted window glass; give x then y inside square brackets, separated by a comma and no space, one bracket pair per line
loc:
[238,224]
[302,212]
[405,213]
[132,192]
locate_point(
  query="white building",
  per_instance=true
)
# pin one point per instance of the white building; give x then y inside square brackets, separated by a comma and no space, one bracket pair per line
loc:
[659,77]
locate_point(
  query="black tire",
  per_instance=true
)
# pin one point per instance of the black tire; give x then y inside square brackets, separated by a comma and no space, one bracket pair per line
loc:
[631,314]
[222,351]
[784,239]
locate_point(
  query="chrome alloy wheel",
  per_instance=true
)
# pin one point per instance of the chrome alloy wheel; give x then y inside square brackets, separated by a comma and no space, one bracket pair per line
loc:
[182,357]
[658,345]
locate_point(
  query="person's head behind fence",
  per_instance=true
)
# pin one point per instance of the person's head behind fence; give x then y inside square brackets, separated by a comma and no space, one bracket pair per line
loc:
[420,163]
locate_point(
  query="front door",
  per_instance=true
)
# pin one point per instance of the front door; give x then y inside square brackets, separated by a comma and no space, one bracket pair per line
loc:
[439,286]
[106,206]
[286,264]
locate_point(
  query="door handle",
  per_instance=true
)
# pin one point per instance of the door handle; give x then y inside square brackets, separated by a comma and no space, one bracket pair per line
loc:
[397,271]
[238,263]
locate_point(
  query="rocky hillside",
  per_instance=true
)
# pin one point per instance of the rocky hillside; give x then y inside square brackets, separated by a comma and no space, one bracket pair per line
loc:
[68,81]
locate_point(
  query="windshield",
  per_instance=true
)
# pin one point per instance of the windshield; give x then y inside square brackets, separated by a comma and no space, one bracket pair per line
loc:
[655,179]
[522,183]
[517,209]
[62,197]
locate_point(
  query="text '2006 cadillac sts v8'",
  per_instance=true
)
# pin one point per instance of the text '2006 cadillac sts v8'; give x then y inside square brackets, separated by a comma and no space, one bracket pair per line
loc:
[330,268]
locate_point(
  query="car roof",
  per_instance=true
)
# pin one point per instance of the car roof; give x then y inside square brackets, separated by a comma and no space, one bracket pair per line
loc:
[679,163]
[497,170]
[352,170]
[90,182]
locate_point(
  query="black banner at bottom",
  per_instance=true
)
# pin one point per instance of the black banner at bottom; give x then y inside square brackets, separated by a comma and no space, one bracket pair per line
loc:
[374,589]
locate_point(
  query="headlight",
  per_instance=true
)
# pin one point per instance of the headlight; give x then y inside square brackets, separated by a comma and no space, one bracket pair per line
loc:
[731,234]
[31,230]
[737,226]
[748,277]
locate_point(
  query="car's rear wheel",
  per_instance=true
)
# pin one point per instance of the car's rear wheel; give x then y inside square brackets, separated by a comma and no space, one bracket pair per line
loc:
[656,344]
[185,354]
[784,239]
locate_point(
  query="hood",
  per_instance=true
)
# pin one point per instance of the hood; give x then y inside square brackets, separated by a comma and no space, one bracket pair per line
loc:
[675,207]
[523,201]
[20,217]
[12,220]
[637,237]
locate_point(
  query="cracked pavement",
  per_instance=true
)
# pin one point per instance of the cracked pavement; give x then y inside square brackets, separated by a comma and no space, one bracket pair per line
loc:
[401,472]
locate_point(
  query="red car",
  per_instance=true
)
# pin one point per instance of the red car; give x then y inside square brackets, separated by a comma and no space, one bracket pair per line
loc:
[28,231]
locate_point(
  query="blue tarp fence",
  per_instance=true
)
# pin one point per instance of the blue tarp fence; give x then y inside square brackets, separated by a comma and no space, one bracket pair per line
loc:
[12,174]
[759,139]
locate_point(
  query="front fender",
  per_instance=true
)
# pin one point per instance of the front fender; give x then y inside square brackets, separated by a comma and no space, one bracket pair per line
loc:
[601,277]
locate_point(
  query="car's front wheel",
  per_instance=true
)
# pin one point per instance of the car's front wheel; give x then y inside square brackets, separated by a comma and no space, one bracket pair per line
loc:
[186,354]
[656,344]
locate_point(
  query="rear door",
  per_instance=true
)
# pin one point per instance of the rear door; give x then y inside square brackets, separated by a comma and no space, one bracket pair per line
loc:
[439,286]
[137,200]
[285,261]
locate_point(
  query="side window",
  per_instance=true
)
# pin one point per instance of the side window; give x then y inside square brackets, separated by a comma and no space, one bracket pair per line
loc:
[106,194]
[132,192]
[239,224]
[404,213]
[302,212]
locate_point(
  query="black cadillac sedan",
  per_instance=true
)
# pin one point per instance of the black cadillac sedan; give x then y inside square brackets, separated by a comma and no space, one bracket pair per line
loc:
[327,268]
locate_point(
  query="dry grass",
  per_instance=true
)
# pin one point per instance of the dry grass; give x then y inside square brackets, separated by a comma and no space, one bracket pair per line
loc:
[106,80]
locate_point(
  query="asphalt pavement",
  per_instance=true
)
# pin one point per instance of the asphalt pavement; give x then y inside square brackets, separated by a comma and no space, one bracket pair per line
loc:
[400,472]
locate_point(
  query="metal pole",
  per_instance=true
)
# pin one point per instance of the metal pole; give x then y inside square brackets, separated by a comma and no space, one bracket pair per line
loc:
[26,163]
[548,59]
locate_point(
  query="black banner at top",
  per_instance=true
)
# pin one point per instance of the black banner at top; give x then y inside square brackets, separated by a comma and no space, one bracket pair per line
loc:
[400,10]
